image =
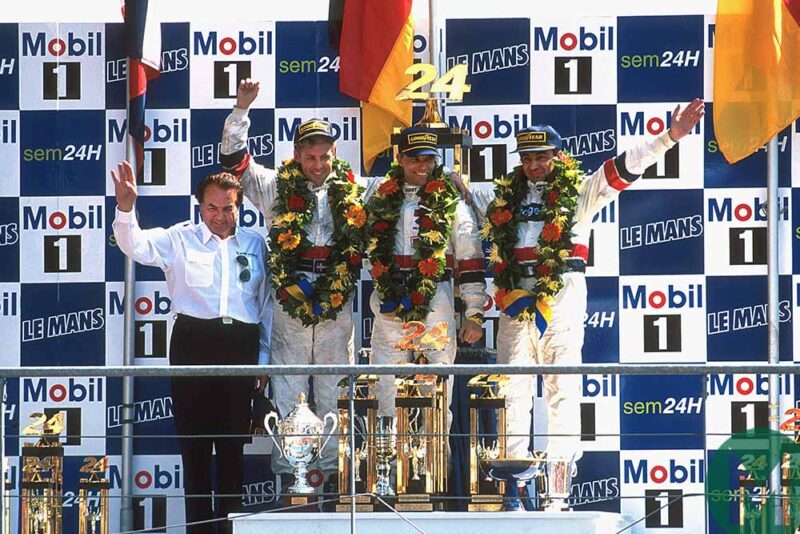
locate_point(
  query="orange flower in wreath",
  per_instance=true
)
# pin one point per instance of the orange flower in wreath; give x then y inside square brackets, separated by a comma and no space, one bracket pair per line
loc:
[288,241]
[500,217]
[434,186]
[388,187]
[336,299]
[551,232]
[378,269]
[356,216]
[429,267]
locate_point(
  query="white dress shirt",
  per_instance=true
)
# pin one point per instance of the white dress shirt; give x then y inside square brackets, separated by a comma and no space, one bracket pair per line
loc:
[202,271]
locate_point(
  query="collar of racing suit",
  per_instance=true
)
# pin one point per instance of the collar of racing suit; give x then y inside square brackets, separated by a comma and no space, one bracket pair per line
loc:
[411,191]
[314,188]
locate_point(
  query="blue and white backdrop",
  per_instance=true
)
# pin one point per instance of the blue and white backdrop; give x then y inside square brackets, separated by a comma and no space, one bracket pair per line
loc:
[677,268]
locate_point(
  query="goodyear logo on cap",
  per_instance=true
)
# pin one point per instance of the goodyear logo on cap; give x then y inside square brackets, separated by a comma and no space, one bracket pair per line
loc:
[422,138]
[313,125]
[532,138]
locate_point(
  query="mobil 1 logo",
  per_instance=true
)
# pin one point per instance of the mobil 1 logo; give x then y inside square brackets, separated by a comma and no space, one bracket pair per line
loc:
[668,312]
[573,54]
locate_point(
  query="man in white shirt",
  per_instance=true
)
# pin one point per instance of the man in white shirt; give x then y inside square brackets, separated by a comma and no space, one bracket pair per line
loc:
[217,279]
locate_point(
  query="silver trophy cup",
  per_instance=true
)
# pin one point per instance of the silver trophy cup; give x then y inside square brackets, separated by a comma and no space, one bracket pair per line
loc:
[556,484]
[301,435]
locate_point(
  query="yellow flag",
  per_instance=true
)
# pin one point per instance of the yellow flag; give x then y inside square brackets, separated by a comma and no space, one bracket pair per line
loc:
[756,73]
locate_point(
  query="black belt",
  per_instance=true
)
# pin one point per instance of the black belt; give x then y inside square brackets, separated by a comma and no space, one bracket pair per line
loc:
[217,321]
[312,266]
[574,265]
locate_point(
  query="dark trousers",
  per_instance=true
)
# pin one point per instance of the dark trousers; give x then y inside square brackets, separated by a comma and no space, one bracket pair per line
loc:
[212,405]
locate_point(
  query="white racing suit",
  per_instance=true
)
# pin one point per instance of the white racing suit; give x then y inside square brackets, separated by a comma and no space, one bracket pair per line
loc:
[329,342]
[518,343]
[465,246]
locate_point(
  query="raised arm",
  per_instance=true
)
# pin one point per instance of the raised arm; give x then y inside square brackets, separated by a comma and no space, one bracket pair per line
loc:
[154,247]
[258,181]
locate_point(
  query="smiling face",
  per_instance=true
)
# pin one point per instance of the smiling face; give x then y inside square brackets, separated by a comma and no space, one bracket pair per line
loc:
[537,165]
[219,209]
[316,160]
[417,169]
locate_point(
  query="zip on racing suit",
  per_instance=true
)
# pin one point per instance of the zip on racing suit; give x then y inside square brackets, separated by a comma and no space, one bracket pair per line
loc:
[519,343]
[329,342]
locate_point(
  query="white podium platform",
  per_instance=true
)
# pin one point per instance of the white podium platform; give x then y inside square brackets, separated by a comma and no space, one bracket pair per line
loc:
[437,523]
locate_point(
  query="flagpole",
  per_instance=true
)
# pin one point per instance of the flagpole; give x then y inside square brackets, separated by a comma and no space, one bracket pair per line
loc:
[433,37]
[773,298]
[126,507]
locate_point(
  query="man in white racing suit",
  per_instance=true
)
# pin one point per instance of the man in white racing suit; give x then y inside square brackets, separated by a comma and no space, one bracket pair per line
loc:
[521,342]
[463,261]
[329,341]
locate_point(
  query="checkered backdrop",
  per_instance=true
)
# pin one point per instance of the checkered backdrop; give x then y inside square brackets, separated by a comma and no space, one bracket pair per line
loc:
[677,267]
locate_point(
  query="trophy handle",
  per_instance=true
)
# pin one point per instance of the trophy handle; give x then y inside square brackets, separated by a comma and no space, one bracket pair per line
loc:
[334,424]
[270,417]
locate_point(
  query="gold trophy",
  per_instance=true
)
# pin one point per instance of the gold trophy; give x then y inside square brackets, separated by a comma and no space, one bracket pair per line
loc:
[366,418]
[486,493]
[450,86]
[42,476]
[93,497]
[790,475]
[422,426]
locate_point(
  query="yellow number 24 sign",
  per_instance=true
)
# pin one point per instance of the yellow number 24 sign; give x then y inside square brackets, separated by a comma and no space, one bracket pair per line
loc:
[452,84]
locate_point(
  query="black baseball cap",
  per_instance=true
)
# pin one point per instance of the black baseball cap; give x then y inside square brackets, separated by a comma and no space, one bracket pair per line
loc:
[537,138]
[419,141]
[313,127]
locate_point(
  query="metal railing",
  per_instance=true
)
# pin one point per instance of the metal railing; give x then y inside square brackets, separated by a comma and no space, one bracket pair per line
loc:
[353,371]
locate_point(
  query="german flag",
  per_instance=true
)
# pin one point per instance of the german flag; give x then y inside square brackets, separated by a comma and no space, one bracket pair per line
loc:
[756,73]
[375,49]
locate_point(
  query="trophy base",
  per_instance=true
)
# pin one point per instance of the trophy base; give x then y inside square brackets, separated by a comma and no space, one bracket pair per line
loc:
[409,502]
[301,503]
[363,504]
[485,503]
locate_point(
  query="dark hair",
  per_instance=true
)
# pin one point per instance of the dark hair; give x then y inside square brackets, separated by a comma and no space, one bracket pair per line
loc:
[225,181]
[315,140]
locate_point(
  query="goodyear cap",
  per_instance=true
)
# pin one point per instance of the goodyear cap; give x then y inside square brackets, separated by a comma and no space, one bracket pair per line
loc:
[311,128]
[419,141]
[538,137]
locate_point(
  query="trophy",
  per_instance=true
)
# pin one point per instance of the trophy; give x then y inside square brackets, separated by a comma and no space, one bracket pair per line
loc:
[555,483]
[752,509]
[365,428]
[486,493]
[301,434]
[42,476]
[449,138]
[385,452]
[93,497]
[422,435]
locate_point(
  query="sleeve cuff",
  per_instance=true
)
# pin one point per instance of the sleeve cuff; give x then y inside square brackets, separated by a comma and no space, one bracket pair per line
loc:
[239,113]
[667,141]
[124,216]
